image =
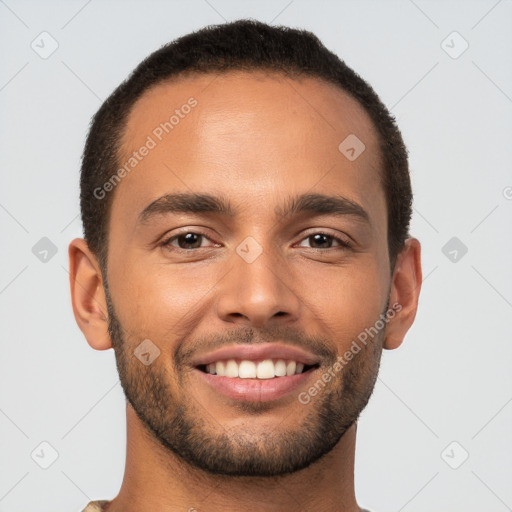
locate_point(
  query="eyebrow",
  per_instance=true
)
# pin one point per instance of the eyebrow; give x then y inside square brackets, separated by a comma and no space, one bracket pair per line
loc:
[313,204]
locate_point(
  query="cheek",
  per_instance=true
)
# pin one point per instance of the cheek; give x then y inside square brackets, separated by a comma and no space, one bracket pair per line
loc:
[153,300]
[345,301]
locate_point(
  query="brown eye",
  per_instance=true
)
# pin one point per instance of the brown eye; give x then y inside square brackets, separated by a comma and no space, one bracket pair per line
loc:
[185,241]
[325,241]
[189,239]
[321,241]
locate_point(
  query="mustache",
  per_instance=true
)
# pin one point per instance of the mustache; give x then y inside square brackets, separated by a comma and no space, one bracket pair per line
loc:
[323,348]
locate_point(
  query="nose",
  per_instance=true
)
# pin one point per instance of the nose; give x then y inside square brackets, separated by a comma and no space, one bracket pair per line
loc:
[258,293]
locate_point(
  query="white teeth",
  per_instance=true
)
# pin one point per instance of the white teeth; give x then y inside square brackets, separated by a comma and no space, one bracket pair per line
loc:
[220,368]
[280,368]
[266,369]
[231,368]
[247,370]
[290,367]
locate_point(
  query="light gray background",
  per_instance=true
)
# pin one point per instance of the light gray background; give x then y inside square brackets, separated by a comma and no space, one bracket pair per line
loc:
[450,381]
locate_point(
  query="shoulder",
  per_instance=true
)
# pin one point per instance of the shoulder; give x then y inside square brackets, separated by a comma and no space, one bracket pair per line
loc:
[96,506]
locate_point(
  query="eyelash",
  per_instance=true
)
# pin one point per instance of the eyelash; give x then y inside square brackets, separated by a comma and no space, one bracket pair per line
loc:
[166,244]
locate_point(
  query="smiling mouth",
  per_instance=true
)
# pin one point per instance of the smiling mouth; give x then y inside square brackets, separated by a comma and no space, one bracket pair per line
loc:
[259,370]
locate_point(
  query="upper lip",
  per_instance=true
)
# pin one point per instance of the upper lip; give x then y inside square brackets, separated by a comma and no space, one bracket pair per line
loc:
[258,352]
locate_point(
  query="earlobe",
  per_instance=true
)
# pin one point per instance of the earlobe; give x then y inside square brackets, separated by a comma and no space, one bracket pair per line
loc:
[88,295]
[405,290]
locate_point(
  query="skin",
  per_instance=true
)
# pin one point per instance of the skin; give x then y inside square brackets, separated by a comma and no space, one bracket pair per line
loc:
[254,138]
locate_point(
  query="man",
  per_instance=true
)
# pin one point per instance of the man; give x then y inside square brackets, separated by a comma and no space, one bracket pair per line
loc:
[246,202]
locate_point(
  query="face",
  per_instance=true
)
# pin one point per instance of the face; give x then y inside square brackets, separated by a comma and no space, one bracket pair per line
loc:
[264,264]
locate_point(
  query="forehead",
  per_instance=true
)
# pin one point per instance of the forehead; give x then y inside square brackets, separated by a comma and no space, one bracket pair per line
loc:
[305,105]
[249,135]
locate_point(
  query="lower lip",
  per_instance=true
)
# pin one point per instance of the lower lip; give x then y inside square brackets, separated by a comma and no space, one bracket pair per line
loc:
[256,390]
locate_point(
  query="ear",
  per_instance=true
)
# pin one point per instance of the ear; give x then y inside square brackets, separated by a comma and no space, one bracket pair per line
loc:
[88,295]
[404,294]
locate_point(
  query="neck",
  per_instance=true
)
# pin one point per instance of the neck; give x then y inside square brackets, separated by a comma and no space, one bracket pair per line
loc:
[156,479]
